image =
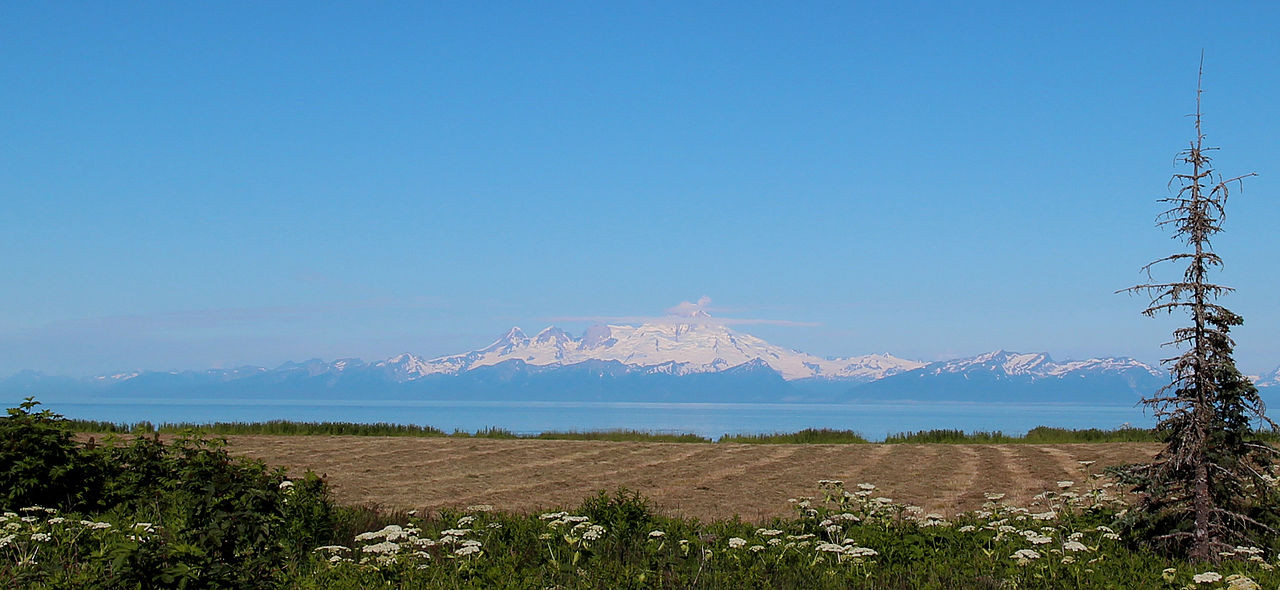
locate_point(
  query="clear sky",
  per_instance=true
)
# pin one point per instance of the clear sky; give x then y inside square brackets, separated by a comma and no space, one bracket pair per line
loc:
[194,185]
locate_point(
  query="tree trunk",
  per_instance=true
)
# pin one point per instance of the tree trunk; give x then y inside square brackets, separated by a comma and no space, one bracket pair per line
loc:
[1202,545]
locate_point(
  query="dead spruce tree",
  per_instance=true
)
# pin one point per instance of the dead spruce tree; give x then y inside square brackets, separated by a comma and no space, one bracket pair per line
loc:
[1211,488]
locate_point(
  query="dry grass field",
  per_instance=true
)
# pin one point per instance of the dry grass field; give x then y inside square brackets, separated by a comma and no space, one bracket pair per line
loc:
[695,480]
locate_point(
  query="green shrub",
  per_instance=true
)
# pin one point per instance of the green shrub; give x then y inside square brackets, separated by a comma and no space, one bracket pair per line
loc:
[627,513]
[42,465]
[225,521]
[183,514]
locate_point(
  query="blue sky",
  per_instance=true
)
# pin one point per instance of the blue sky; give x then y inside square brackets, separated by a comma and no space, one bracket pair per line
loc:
[189,186]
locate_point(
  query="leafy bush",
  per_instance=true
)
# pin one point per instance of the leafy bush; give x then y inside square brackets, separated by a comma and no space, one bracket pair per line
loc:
[627,513]
[191,515]
[41,464]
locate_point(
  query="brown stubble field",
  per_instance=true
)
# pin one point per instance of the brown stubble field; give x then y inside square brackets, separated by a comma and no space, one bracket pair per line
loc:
[707,481]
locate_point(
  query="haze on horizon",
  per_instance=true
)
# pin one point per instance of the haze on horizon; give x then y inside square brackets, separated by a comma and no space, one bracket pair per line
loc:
[210,186]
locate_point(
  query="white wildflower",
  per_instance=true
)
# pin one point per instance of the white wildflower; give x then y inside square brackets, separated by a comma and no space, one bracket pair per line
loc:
[333,548]
[861,552]
[656,534]
[736,542]
[381,548]
[1025,554]
[1206,577]
[829,548]
[1074,546]
[1066,484]
[466,550]
[1241,582]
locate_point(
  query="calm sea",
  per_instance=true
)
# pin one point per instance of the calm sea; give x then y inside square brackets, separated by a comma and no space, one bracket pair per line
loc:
[872,420]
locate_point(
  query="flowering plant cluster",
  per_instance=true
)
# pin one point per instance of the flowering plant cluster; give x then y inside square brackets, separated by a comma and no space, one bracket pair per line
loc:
[841,537]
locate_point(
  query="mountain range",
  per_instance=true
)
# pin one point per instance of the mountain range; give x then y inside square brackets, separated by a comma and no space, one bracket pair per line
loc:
[692,358]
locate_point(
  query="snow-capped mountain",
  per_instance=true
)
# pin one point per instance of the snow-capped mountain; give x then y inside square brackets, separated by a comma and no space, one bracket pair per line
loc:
[685,358]
[1037,365]
[1028,377]
[680,347]
[1271,379]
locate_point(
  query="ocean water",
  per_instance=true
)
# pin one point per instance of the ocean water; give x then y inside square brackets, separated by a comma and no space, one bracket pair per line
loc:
[871,420]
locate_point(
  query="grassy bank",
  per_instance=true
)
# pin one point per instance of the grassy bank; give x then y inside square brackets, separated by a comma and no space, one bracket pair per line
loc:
[1038,435]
